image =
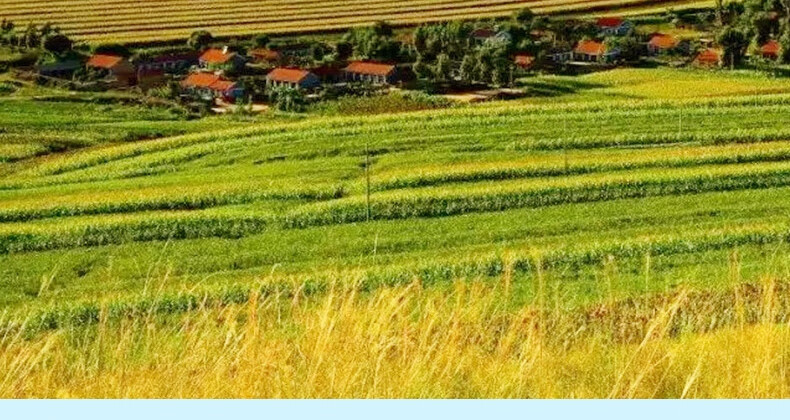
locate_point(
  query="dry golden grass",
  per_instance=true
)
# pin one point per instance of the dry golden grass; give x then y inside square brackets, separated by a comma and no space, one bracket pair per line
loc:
[468,340]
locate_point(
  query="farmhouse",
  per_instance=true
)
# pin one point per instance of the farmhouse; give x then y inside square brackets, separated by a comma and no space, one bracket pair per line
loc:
[593,51]
[483,35]
[661,43]
[611,26]
[370,72]
[524,61]
[170,62]
[770,50]
[709,57]
[59,69]
[215,57]
[209,86]
[265,55]
[113,66]
[293,78]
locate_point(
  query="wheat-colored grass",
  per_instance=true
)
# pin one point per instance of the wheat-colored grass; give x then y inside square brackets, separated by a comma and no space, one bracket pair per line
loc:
[467,340]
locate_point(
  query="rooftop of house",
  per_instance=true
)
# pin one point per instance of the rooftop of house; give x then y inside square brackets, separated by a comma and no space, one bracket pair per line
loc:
[610,22]
[217,56]
[524,60]
[207,81]
[663,41]
[370,68]
[709,55]
[104,61]
[265,54]
[590,48]
[287,75]
[770,48]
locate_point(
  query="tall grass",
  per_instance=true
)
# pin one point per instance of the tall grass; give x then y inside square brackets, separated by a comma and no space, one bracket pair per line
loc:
[467,341]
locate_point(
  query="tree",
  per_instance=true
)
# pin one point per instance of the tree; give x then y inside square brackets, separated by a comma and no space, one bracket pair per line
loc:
[784,42]
[57,44]
[32,38]
[112,49]
[524,17]
[200,40]
[287,99]
[343,50]
[422,70]
[734,43]
[467,70]
[443,69]
[260,41]
[630,48]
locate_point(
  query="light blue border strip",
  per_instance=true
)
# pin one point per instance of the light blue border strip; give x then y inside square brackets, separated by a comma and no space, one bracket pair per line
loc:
[392,409]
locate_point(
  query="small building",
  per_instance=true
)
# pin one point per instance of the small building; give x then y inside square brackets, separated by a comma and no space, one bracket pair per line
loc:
[710,57]
[215,57]
[328,73]
[594,51]
[614,26]
[483,35]
[371,72]
[661,43]
[59,69]
[293,78]
[560,56]
[770,50]
[524,61]
[113,66]
[209,86]
[265,56]
[170,63]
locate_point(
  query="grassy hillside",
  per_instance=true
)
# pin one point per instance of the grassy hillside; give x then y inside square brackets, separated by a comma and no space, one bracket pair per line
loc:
[157,20]
[627,212]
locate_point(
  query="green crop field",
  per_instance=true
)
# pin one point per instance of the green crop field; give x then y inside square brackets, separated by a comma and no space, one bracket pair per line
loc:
[617,188]
[158,20]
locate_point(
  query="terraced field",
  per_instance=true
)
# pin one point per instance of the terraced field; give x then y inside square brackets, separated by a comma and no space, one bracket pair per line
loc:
[157,20]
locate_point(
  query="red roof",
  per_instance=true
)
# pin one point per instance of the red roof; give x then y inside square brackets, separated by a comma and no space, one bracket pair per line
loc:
[524,60]
[104,61]
[216,56]
[709,56]
[483,33]
[663,42]
[207,81]
[610,22]
[374,69]
[590,48]
[281,74]
[265,54]
[770,48]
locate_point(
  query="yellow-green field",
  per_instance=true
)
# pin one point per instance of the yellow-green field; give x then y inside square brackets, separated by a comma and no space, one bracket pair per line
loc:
[161,20]
[618,234]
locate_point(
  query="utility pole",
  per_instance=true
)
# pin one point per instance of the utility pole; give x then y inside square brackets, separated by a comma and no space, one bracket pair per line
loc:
[367,179]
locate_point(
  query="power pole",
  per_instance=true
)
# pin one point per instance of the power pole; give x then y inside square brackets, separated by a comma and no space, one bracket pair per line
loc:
[367,179]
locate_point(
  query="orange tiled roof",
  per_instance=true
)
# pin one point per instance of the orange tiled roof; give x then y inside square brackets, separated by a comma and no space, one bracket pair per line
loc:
[366,67]
[524,60]
[207,81]
[282,74]
[216,56]
[710,55]
[610,22]
[590,48]
[663,42]
[265,54]
[770,48]
[104,61]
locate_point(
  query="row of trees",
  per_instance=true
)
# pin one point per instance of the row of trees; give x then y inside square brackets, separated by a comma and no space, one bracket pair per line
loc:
[32,37]
[750,24]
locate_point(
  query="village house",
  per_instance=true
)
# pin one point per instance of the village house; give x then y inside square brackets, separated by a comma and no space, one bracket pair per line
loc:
[661,43]
[614,26]
[170,63]
[770,50]
[559,55]
[115,67]
[710,57]
[214,57]
[594,51]
[483,35]
[209,86]
[59,69]
[524,61]
[293,78]
[265,56]
[370,72]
